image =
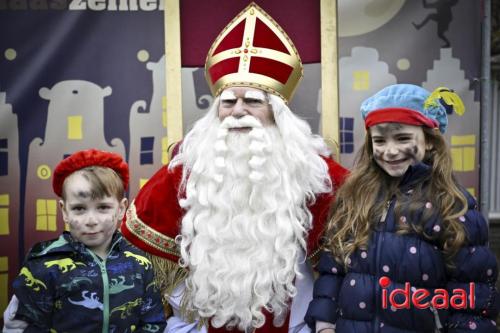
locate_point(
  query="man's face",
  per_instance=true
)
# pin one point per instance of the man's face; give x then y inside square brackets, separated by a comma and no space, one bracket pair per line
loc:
[397,146]
[242,101]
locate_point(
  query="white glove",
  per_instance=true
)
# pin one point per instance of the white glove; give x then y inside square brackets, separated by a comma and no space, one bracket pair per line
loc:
[11,325]
[176,323]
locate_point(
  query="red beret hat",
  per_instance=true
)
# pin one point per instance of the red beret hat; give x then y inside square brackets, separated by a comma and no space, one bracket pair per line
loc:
[85,158]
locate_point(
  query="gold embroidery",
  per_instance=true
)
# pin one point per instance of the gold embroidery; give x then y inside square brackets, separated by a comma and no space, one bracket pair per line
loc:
[148,235]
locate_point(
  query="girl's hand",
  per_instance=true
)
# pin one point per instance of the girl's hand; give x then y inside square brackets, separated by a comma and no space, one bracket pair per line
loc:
[324,327]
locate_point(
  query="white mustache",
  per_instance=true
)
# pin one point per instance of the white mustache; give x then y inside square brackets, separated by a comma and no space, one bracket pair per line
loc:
[245,121]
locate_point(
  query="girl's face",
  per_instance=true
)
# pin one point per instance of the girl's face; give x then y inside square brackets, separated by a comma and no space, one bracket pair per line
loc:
[91,221]
[397,146]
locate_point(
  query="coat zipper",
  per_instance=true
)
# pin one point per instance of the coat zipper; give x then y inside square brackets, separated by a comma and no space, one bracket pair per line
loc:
[379,241]
[385,211]
[439,326]
[105,286]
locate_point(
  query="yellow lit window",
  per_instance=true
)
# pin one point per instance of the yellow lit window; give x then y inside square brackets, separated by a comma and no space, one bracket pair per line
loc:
[46,214]
[75,127]
[4,282]
[463,152]
[4,214]
[142,182]
[361,80]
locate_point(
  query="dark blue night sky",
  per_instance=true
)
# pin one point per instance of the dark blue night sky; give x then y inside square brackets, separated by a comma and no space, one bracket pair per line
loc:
[100,47]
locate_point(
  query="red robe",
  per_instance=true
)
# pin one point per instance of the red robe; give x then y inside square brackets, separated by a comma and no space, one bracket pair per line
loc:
[153,219]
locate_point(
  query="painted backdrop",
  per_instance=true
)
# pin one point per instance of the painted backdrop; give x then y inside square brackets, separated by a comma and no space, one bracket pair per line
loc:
[76,74]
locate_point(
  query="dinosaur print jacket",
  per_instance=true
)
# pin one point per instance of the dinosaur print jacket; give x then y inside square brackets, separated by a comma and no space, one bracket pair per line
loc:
[64,287]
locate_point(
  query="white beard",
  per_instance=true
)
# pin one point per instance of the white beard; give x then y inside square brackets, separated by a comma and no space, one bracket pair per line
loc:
[246,223]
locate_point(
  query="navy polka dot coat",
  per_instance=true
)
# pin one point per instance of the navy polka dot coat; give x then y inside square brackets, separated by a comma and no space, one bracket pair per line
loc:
[353,299]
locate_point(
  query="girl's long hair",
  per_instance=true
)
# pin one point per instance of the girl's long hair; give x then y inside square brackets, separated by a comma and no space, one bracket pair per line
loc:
[361,200]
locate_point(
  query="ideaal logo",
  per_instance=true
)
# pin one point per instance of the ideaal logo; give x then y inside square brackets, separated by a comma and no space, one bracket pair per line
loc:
[419,298]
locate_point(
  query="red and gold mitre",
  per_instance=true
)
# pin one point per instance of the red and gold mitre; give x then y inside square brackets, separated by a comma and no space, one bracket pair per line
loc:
[253,50]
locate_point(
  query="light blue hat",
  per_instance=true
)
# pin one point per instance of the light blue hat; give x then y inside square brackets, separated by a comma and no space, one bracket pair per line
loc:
[412,105]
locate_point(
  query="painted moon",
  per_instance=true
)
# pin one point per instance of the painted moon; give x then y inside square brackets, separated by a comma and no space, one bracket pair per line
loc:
[357,17]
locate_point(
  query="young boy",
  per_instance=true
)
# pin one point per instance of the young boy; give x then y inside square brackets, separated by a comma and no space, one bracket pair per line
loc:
[90,279]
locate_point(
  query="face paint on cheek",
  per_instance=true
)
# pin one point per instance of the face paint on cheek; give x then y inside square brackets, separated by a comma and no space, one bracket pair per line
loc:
[411,152]
[115,217]
[415,150]
[74,223]
[377,154]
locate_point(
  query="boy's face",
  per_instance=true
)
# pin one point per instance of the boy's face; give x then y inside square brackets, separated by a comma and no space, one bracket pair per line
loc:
[397,146]
[91,221]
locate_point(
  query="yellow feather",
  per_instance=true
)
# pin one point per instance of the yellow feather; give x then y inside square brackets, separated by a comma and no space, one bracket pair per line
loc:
[448,97]
[432,99]
[451,98]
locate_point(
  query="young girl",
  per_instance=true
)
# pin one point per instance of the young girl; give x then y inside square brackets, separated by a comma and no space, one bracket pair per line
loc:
[90,279]
[401,221]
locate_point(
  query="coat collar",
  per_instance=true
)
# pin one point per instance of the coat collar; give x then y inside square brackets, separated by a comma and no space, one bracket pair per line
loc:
[67,244]
[415,174]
